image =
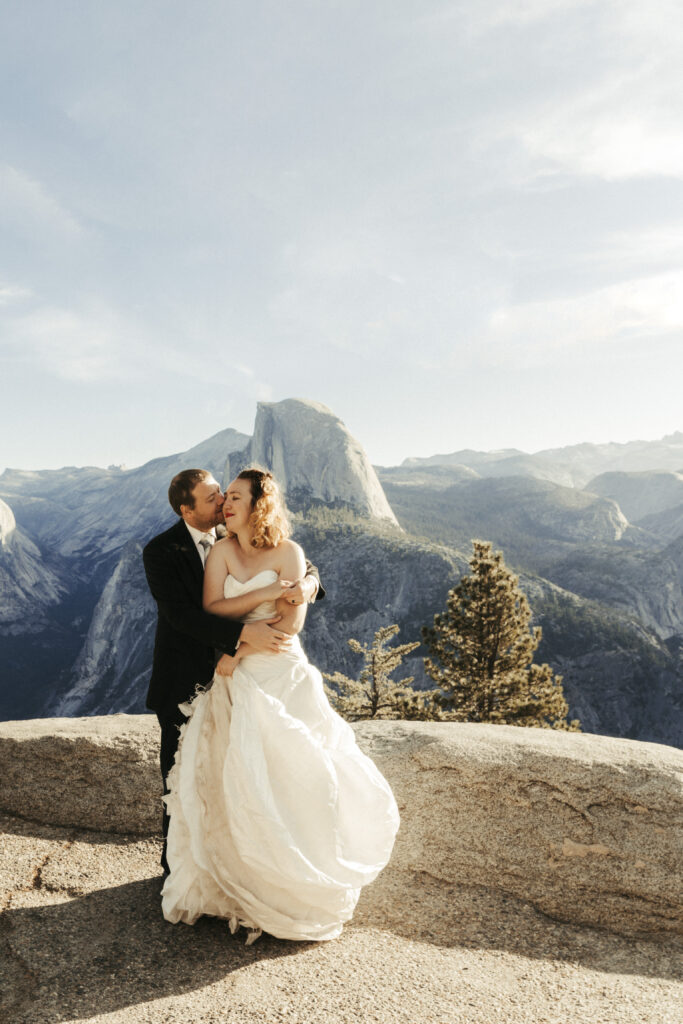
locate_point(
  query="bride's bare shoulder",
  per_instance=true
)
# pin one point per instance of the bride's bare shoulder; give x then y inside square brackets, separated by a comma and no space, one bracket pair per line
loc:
[225,543]
[290,553]
[225,547]
[289,546]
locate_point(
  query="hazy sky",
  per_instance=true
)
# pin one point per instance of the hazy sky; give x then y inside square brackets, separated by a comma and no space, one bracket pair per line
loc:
[457,224]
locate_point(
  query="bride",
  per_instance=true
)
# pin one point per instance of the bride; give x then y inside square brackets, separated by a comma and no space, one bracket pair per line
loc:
[277,818]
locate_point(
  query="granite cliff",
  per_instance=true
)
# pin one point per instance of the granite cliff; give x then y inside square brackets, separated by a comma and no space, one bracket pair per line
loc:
[652,500]
[640,494]
[533,520]
[314,457]
[28,586]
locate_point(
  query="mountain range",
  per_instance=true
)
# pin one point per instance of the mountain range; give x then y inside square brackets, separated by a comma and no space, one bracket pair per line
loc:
[595,533]
[573,465]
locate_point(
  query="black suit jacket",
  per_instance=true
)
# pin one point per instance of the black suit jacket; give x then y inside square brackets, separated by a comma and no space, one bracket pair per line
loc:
[187,637]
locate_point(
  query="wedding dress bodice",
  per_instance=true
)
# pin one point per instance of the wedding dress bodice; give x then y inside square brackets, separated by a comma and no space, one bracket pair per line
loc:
[233,588]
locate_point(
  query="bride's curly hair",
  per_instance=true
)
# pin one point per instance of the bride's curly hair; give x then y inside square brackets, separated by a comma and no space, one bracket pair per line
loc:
[269,516]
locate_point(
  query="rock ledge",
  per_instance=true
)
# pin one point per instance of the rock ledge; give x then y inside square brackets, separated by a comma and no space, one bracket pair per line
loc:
[586,828]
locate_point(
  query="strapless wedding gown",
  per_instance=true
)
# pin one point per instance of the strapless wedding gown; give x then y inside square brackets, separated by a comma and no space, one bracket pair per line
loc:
[277,818]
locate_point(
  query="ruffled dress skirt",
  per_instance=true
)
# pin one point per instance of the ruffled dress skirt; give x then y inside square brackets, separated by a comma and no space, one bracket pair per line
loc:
[277,819]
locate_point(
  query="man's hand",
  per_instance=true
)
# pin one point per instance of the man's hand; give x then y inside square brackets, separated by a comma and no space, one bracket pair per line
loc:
[263,637]
[301,592]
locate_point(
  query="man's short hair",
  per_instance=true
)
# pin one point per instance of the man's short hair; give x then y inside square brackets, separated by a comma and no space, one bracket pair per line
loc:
[182,486]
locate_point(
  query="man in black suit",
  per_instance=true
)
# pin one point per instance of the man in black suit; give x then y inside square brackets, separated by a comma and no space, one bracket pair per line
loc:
[188,638]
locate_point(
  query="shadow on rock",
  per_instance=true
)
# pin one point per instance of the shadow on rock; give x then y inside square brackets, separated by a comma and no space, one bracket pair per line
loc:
[421,908]
[14,825]
[112,949]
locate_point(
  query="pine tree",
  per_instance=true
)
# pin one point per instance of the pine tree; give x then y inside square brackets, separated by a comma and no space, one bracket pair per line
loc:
[481,649]
[375,694]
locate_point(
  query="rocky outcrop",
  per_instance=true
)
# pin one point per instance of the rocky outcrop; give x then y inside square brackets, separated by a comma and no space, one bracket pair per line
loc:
[533,520]
[7,523]
[666,525]
[94,773]
[314,458]
[27,585]
[373,578]
[646,584]
[82,936]
[587,829]
[640,494]
[112,671]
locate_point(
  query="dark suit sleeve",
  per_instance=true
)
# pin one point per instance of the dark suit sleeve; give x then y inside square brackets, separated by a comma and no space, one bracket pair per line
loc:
[312,571]
[175,606]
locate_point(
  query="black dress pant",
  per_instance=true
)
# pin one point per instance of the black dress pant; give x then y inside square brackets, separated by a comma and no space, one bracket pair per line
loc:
[170,722]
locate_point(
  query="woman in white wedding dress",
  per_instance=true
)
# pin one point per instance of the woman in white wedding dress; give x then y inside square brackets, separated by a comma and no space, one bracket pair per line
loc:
[277,818]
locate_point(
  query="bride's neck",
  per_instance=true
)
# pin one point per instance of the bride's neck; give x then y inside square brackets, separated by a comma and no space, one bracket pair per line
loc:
[244,540]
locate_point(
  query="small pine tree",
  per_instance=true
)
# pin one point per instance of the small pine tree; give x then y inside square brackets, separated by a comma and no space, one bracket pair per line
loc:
[375,694]
[481,648]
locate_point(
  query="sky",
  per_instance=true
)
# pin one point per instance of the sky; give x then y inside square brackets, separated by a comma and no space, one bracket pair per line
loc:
[456,224]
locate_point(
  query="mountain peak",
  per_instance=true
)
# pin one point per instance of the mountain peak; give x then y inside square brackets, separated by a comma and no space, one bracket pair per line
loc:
[293,404]
[7,523]
[314,457]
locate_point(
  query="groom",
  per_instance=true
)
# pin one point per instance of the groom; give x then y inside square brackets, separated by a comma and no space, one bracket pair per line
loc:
[188,638]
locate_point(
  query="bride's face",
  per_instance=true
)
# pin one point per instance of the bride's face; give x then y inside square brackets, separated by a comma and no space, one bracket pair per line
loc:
[237,506]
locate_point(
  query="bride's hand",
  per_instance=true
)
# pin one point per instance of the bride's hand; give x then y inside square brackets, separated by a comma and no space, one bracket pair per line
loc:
[226,664]
[274,591]
[302,591]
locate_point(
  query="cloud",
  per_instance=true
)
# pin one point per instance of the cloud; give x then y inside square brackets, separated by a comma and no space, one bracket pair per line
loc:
[264,392]
[496,14]
[620,117]
[590,326]
[95,343]
[615,134]
[71,346]
[27,203]
[627,253]
[336,198]
[87,342]
[10,293]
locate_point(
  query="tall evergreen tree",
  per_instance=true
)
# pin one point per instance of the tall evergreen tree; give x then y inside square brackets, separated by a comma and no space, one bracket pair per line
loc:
[374,694]
[481,649]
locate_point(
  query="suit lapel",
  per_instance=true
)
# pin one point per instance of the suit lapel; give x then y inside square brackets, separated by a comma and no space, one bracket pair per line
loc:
[187,552]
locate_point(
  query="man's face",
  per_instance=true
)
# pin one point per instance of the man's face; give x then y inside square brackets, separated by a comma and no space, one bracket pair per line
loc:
[208,506]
